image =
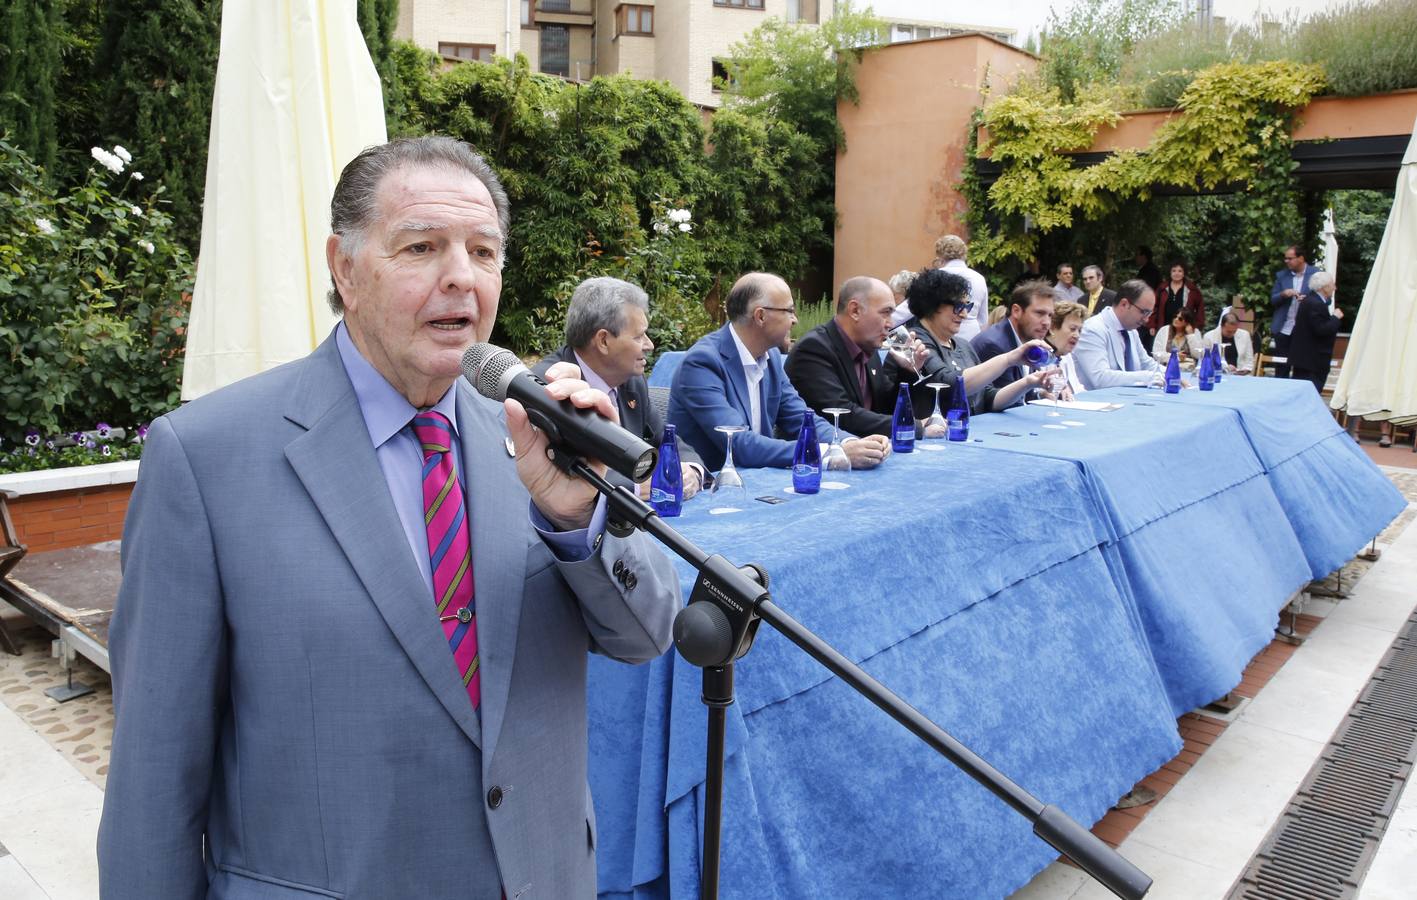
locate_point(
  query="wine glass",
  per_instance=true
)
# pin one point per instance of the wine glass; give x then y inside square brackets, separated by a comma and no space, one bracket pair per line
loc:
[901,341]
[728,490]
[1040,358]
[936,422]
[835,459]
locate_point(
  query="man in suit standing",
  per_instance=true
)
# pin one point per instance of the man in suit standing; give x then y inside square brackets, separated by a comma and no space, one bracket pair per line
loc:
[1291,283]
[349,650]
[1315,326]
[607,338]
[1109,353]
[836,366]
[1030,318]
[735,376]
[1098,296]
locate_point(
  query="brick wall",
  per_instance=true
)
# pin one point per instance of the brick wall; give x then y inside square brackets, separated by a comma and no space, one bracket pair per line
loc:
[71,518]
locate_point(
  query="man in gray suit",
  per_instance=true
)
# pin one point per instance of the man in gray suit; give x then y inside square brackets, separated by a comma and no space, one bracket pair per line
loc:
[349,652]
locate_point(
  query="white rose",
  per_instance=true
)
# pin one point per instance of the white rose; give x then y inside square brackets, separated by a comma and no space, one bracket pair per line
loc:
[147,245]
[44,225]
[685,226]
[122,154]
[136,210]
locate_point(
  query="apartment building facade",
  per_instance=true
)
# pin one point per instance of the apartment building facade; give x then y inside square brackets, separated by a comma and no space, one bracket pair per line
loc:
[679,41]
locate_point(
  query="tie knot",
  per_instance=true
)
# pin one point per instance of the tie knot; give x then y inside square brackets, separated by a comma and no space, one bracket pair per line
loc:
[434,432]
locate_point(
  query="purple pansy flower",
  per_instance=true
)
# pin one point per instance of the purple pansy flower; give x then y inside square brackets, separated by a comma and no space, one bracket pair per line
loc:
[49,445]
[90,445]
[105,451]
[77,437]
[142,433]
[102,429]
[32,438]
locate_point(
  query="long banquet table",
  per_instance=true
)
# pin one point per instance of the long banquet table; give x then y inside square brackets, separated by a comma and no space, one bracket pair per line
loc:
[1052,594]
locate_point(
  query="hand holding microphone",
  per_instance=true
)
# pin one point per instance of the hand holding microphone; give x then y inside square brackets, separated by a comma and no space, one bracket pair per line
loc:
[567,413]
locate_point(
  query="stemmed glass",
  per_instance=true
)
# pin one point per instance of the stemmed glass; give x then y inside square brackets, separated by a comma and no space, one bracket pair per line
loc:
[901,341]
[936,420]
[835,459]
[1056,381]
[728,487]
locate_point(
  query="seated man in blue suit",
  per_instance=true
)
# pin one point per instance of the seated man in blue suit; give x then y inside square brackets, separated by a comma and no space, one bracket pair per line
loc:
[1030,318]
[349,651]
[1291,284]
[734,376]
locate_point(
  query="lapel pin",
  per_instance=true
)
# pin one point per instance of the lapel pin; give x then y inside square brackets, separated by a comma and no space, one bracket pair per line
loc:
[511,447]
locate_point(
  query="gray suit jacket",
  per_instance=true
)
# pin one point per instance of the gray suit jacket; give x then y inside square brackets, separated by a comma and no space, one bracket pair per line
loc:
[285,697]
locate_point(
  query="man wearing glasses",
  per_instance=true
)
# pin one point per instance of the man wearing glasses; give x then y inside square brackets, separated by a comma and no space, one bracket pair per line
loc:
[1291,283]
[734,376]
[1030,318]
[1108,353]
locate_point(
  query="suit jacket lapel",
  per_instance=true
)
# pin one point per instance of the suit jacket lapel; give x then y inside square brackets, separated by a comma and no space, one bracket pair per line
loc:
[497,508]
[846,369]
[728,349]
[338,467]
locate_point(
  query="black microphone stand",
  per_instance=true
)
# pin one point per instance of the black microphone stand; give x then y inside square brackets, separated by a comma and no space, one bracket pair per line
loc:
[717,627]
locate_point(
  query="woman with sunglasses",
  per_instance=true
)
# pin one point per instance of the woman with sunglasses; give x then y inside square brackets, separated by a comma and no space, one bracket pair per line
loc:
[939,300]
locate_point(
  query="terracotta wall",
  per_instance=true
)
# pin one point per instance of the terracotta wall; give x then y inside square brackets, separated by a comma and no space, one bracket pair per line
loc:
[896,182]
[71,518]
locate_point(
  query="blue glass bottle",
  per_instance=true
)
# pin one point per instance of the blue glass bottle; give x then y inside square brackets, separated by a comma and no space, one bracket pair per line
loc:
[666,485]
[1036,356]
[1206,371]
[1218,365]
[1173,373]
[958,416]
[903,422]
[807,458]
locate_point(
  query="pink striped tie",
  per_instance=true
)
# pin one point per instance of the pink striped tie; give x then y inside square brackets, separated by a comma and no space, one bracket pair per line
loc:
[449,550]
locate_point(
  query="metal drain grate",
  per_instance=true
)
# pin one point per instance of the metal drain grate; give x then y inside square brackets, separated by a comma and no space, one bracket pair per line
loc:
[1324,842]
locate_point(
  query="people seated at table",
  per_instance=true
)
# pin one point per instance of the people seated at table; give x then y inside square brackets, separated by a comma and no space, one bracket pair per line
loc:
[1316,324]
[1063,338]
[1235,347]
[734,376]
[1108,352]
[1177,292]
[899,282]
[1182,336]
[836,364]
[940,301]
[607,336]
[1029,319]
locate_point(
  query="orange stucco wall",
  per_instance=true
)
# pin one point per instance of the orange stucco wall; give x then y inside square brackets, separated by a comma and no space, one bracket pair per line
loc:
[905,139]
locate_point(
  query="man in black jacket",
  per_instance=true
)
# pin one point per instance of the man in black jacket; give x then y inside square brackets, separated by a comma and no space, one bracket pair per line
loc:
[1311,342]
[835,365]
[606,336]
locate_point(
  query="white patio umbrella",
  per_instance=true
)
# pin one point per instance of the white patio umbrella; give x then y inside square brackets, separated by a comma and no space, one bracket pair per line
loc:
[1328,252]
[1379,375]
[297,97]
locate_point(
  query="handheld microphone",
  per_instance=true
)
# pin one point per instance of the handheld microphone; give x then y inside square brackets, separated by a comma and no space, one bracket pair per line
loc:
[497,374]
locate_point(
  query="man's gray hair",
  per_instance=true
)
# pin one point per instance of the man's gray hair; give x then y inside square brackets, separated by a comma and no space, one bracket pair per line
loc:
[900,281]
[1097,269]
[600,303]
[1230,319]
[354,206]
[1320,279]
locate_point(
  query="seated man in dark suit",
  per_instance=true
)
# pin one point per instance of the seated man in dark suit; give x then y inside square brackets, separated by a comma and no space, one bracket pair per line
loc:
[607,326]
[1311,343]
[734,376]
[835,365]
[1030,318]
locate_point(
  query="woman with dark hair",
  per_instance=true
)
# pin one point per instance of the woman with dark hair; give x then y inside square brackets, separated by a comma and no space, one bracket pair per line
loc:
[1181,335]
[939,300]
[1176,293]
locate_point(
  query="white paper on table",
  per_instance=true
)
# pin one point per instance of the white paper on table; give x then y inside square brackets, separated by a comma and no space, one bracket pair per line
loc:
[1085,405]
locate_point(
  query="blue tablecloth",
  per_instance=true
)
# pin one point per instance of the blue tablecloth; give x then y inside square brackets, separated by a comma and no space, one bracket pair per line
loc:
[1172,478]
[1333,495]
[978,586]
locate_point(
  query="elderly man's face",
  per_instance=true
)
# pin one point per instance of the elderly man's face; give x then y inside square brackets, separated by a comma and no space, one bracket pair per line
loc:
[424,284]
[778,314]
[1065,275]
[874,311]
[1228,329]
[1091,280]
[624,353]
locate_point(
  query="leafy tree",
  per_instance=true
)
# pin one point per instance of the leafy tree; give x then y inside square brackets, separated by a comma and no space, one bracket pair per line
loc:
[377,19]
[1359,220]
[30,67]
[159,61]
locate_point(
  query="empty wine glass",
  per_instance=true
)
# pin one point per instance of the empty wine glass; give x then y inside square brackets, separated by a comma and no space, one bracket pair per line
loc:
[728,490]
[936,427]
[835,459]
[901,341]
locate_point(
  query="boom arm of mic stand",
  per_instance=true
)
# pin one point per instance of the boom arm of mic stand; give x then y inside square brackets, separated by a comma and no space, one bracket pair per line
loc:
[1050,823]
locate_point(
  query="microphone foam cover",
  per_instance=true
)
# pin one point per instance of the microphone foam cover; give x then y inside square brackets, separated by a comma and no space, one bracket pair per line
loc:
[484,365]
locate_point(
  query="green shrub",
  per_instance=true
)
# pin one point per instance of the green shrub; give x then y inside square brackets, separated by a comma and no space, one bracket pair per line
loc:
[95,294]
[1365,48]
[810,315]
